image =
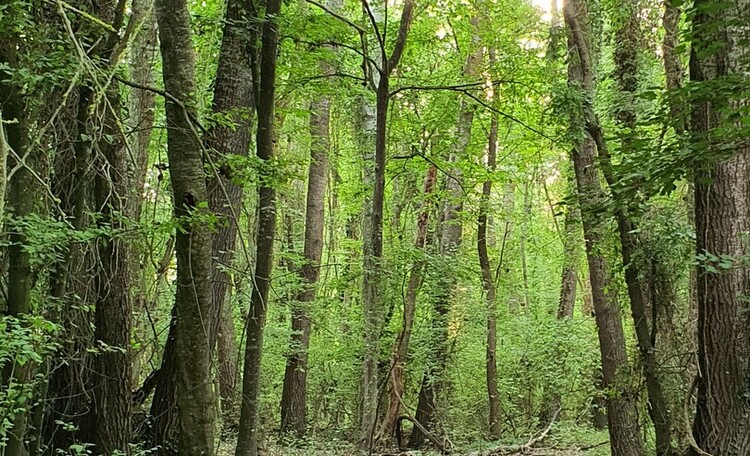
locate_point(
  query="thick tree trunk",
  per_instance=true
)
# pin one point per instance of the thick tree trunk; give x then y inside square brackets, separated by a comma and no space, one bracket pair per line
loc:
[488,284]
[401,348]
[112,319]
[625,438]
[196,402]
[249,432]
[294,393]
[233,98]
[721,53]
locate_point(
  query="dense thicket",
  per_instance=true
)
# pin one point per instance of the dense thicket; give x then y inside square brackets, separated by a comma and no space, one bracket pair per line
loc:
[474,227]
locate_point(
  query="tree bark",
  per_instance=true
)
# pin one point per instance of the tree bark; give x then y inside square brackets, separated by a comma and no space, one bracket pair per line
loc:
[401,347]
[196,402]
[488,284]
[372,228]
[627,35]
[625,438]
[249,431]
[720,54]
[20,205]
[233,98]
[450,239]
[294,393]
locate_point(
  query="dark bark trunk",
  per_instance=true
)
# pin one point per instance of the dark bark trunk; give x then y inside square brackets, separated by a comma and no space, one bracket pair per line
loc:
[20,205]
[488,285]
[249,432]
[111,383]
[722,206]
[294,393]
[626,75]
[625,438]
[233,98]
[196,404]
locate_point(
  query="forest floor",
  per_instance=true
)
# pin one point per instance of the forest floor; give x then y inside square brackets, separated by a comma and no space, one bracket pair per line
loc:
[587,443]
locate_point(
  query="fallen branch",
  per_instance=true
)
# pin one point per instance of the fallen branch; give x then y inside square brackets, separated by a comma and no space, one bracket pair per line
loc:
[515,449]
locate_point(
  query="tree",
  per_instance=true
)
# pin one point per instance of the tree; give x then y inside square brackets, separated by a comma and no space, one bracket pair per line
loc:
[195,397]
[294,393]
[249,431]
[374,126]
[488,284]
[718,57]
[625,438]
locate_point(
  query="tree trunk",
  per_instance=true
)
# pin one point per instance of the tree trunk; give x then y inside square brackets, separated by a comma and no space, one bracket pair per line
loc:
[195,396]
[112,319]
[401,347]
[20,205]
[233,98]
[450,239]
[625,438]
[249,432]
[294,393]
[488,284]
[626,75]
[372,228]
[722,213]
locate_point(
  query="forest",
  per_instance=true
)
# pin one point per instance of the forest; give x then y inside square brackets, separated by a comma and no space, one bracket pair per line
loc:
[376,227]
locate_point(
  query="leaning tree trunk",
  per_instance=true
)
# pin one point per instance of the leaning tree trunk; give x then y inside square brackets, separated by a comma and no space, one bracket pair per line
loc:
[249,432]
[625,438]
[401,348]
[720,55]
[193,307]
[626,75]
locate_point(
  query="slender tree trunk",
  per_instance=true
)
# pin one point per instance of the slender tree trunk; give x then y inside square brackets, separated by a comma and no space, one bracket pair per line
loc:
[401,348]
[249,432]
[294,393]
[193,307]
[626,75]
[372,248]
[571,250]
[625,438]
[141,110]
[719,54]
[488,284]
[450,239]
